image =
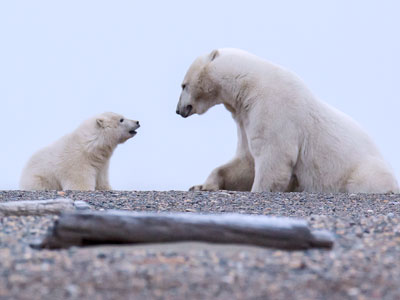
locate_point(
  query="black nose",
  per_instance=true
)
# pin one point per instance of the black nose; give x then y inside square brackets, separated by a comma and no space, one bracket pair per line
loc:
[137,123]
[177,111]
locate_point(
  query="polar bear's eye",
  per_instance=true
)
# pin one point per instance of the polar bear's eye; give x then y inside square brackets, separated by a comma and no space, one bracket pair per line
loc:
[121,120]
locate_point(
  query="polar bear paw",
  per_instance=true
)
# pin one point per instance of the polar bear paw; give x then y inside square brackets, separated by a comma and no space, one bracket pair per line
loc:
[204,187]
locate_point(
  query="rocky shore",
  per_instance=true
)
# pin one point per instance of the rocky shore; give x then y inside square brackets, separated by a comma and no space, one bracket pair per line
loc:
[364,263]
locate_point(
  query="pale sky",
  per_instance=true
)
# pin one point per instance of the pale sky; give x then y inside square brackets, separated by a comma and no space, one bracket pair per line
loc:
[62,62]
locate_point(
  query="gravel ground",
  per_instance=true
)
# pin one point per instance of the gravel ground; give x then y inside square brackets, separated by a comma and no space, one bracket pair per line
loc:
[364,263]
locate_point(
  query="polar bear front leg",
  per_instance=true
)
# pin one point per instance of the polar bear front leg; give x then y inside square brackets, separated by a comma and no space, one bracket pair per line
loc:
[269,179]
[236,175]
[273,163]
[85,180]
[79,185]
[102,183]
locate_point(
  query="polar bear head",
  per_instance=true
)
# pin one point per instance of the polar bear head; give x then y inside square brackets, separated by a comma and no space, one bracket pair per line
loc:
[113,129]
[199,89]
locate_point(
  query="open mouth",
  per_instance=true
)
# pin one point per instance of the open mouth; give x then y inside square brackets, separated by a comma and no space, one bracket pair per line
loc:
[133,130]
[186,111]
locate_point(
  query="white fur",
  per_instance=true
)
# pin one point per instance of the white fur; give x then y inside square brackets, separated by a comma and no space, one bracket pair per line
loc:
[287,139]
[79,160]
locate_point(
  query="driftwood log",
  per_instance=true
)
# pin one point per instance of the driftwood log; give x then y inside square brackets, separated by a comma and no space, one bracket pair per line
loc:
[119,227]
[40,207]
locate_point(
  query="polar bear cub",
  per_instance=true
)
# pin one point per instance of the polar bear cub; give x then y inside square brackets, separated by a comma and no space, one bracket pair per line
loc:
[287,139]
[79,160]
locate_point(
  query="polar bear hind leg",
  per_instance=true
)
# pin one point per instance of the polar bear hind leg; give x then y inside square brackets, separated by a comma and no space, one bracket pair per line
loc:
[236,175]
[37,182]
[372,177]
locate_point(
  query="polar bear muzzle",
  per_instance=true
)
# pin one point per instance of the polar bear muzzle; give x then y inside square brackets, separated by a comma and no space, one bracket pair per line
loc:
[132,131]
[185,104]
[185,112]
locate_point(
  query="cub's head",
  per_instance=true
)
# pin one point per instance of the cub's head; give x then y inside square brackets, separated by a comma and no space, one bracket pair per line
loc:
[115,128]
[199,90]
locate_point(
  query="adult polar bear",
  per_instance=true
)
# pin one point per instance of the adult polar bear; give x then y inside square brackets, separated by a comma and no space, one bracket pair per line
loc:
[287,139]
[79,160]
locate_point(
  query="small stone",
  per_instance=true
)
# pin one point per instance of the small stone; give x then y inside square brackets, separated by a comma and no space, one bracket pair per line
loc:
[81,205]
[224,193]
[73,290]
[353,291]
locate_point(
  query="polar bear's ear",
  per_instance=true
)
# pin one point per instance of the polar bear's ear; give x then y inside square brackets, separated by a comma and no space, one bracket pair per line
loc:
[214,54]
[100,122]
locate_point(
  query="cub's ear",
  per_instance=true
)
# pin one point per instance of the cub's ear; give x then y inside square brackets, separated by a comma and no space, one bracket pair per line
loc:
[100,122]
[213,55]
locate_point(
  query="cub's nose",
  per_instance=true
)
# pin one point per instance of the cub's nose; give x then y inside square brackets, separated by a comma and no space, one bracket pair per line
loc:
[177,111]
[137,123]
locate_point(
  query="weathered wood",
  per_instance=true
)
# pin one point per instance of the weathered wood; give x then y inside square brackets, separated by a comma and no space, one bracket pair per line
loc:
[40,207]
[116,227]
